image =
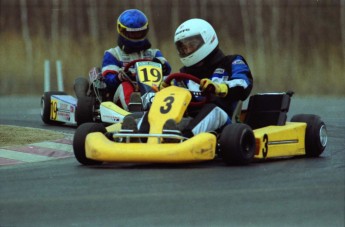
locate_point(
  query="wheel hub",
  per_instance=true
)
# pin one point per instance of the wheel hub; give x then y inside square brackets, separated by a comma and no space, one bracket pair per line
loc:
[323,135]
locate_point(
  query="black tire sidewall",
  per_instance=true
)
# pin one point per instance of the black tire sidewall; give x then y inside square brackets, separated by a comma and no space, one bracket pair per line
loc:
[233,140]
[313,146]
[79,141]
[81,86]
[45,100]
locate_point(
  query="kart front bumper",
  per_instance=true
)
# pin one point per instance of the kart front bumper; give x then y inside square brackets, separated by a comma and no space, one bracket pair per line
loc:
[201,147]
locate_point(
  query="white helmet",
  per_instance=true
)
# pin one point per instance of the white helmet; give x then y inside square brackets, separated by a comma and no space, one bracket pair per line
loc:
[195,39]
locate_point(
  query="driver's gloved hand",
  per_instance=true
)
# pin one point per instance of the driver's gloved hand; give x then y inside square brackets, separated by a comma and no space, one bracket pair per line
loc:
[165,69]
[219,89]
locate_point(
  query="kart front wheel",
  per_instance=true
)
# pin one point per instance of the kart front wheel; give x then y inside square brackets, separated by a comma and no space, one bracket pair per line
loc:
[237,144]
[79,141]
[46,108]
[315,134]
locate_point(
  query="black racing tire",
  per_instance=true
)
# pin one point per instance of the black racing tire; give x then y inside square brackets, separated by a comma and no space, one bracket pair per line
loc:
[45,107]
[81,86]
[85,110]
[315,135]
[79,142]
[237,144]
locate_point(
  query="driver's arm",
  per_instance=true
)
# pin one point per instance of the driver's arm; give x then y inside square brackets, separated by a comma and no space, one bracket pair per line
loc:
[110,70]
[241,81]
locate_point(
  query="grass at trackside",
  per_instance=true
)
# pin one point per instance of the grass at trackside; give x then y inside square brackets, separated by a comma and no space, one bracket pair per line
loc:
[281,70]
[15,136]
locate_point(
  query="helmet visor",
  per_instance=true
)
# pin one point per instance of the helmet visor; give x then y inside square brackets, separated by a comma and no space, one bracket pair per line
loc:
[133,33]
[189,45]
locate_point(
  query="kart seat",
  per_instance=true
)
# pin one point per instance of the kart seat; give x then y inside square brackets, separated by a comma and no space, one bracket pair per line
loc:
[236,115]
[266,109]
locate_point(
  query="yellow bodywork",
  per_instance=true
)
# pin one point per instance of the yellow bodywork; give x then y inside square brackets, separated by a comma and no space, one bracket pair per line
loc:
[170,103]
[280,141]
[115,108]
[110,112]
[199,148]
[114,127]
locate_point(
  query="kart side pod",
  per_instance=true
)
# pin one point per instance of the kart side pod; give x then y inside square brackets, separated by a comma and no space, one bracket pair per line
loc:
[280,141]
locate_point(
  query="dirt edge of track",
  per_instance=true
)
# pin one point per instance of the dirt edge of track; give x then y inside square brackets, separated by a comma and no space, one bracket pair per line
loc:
[15,135]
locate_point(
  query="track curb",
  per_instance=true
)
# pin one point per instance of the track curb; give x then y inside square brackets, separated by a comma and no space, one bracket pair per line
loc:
[36,152]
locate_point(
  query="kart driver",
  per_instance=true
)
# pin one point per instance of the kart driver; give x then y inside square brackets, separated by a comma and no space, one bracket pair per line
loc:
[132,44]
[226,77]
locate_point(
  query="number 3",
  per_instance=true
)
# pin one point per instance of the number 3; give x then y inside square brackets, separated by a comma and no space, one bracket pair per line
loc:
[168,104]
[265,149]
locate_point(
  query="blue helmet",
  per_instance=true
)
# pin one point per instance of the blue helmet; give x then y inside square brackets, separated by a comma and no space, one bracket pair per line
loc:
[133,25]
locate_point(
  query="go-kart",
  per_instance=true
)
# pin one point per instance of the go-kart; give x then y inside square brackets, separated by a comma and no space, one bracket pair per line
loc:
[94,103]
[260,132]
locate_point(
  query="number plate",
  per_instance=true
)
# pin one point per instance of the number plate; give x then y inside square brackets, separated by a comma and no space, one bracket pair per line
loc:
[149,73]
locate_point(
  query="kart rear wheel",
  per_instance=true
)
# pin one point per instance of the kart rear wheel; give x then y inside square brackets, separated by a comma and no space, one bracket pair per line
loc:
[237,144]
[79,141]
[315,135]
[85,108]
[81,86]
[46,108]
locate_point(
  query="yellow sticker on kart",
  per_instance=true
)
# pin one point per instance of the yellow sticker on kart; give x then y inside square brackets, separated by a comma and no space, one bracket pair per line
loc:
[53,109]
[149,73]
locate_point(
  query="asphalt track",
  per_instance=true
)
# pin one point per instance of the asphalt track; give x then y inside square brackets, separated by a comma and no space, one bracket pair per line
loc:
[286,192]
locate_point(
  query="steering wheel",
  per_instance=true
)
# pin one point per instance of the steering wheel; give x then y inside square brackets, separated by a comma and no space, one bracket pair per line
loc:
[184,76]
[131,63]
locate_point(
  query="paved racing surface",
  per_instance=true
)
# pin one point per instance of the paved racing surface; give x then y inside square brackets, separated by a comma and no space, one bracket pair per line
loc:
[285,192]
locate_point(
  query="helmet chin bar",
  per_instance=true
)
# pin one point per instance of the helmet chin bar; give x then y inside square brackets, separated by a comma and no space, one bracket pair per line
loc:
[197,56]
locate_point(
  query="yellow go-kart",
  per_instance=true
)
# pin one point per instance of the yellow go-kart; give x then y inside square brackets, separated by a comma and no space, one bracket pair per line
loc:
[259,132]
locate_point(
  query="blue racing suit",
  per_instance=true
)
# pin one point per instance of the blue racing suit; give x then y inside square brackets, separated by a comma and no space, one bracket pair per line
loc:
[231,70]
